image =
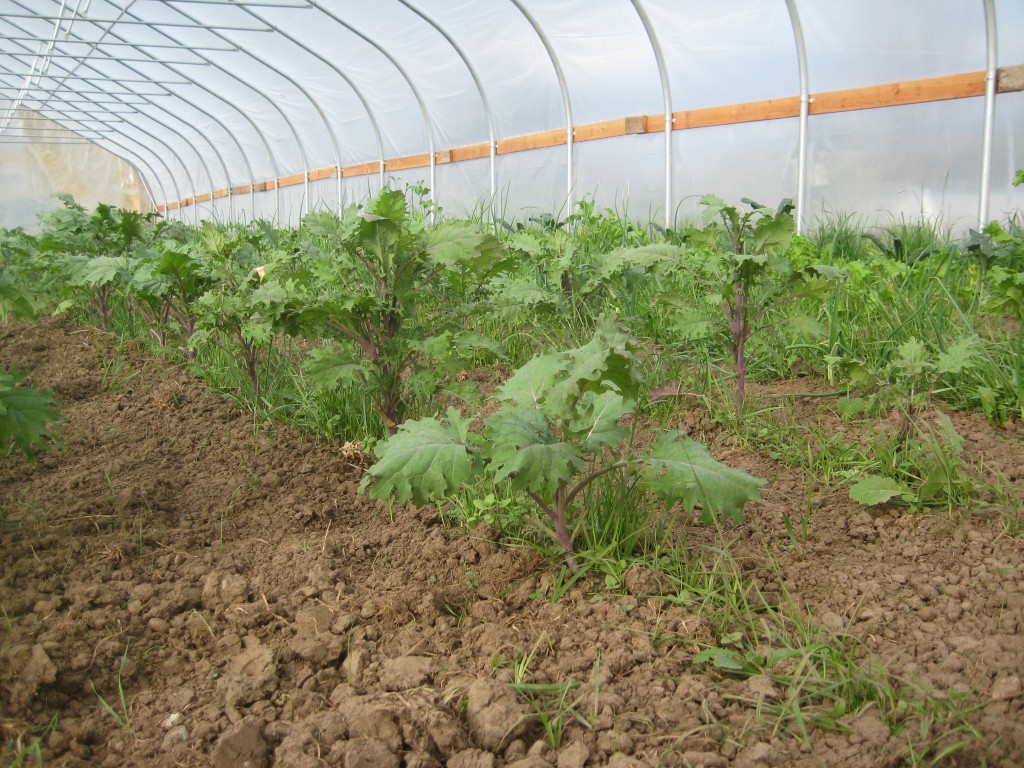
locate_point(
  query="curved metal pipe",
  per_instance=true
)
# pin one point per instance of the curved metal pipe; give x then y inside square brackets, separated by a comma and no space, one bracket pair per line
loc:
[130,150]
[302,147]
[570,126]
[805,105]
[316,105]
[112,125]
[245,158]
[492,141]
[666,95]
[428,123]
[991,81]
[62,77]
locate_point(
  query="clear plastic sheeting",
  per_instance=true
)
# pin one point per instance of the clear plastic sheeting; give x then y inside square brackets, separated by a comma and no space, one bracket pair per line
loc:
[33,170]
[239,109]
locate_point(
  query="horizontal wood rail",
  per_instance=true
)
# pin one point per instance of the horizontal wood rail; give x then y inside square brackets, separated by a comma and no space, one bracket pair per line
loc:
[961,86]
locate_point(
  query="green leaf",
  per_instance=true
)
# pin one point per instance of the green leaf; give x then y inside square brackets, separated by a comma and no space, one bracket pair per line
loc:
[327,368]
[913,358]
[774,232]
[424,461]
[460,243]
[531,382]
[101,270]
[597,423]
[722,659]
[27,416]
[522,447]
[876,490]
[679,468]
[960,357]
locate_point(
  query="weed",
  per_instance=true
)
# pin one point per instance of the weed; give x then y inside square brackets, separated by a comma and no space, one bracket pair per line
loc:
[24,749]
[120,716]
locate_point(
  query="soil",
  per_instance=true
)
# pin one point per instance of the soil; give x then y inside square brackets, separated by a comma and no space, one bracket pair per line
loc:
[185,587]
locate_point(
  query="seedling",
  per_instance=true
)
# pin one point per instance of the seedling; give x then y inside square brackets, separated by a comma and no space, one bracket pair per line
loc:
[557,431]
[746,261]
[122,718]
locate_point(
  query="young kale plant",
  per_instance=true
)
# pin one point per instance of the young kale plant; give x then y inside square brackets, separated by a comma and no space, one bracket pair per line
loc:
[374,277]
[557,430]
[746,262]
[94,254]
[242,309]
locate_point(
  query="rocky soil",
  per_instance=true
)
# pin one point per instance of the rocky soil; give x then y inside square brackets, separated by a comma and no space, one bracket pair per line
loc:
[183,587]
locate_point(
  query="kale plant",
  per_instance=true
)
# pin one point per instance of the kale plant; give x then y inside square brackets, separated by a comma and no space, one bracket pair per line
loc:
[558,429]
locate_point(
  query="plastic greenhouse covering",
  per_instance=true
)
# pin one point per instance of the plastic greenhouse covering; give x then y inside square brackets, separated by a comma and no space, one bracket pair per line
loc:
[235,109]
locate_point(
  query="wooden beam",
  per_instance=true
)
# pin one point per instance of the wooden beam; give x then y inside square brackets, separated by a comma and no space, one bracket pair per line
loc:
[472,152]
[204,198]
[1011,79]
[899,94]
[291,180]
[409,161]
[531,141]
[241,189]
[330,172]
[363,169]
[732,114]
[219,193]
[606,129]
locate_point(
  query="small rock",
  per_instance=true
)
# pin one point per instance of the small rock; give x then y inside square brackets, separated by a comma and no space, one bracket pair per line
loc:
[705,760]
[159,625]
[178,735]
[832,621]
[1006,688]
[173,719]
[758,753]
[761,688]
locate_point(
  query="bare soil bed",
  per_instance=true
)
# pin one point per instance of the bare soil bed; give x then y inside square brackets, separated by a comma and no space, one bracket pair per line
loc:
[183,587]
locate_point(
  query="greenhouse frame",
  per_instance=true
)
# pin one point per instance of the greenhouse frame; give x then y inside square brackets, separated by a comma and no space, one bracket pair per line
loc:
[237,109]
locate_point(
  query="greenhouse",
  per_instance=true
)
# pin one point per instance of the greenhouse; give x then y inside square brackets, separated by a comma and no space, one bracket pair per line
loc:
[227,109]
[511,383]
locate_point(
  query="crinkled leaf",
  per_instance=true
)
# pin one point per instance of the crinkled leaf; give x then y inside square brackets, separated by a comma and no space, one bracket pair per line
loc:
[607,359]
[597,422]
[101,270]
[15,302]
[424,461]
[645,258]
[28,416]
[724,660]
[461,243]
[876,490]
[327,368]
[518,293]
[522,447]
[775,231]
[960,356]
[913,358]
[531,382]
[679,468]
